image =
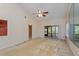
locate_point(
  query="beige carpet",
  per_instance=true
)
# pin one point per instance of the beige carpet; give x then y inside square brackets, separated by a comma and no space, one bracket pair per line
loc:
[40,47]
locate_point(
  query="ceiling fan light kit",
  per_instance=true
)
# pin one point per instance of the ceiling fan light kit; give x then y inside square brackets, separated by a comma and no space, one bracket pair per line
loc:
[39,15]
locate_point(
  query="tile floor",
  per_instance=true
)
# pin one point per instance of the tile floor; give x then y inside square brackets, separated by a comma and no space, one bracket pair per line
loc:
[40,47]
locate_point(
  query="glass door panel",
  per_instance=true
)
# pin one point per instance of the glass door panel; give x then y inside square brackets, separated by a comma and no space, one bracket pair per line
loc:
[53,30]
[56,29]
[49,31]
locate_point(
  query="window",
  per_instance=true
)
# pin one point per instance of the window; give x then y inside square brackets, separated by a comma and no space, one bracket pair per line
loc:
[76,31]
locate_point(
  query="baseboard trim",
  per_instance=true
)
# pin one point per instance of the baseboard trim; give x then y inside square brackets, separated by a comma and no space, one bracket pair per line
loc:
[13,46]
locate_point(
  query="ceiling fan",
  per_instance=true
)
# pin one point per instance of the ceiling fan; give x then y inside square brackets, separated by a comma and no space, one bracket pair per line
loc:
[41,13]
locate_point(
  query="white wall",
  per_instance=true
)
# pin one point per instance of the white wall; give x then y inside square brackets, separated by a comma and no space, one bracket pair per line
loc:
[60,22]
[17,25]
[35,27]
[76,13]
[73,19]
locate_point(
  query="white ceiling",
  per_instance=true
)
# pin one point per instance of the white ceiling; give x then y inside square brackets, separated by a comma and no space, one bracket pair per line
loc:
[56,10]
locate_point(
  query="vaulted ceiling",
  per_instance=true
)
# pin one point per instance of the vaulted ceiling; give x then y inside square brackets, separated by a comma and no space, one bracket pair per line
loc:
[55,10]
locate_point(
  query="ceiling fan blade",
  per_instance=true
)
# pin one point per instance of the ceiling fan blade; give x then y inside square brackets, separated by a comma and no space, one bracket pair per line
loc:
[45,12]
[44,15]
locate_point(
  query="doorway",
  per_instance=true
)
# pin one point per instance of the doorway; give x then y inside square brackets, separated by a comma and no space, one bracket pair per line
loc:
[51,31]
[30,31]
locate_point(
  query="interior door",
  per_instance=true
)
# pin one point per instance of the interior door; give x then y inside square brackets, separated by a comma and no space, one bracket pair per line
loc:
[30,31]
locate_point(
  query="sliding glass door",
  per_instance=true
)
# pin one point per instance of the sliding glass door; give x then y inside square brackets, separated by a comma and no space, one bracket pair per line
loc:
[51,31]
